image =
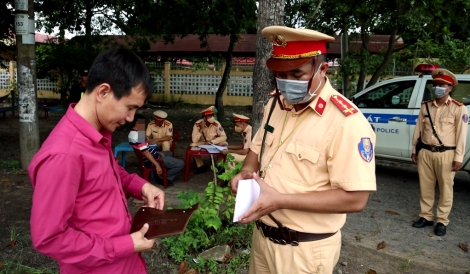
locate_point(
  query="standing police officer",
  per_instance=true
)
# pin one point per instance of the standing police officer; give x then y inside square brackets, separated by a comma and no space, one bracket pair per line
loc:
[443,149]
[314,157]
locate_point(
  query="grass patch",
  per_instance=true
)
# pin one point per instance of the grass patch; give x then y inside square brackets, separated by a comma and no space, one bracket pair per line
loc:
[12,165]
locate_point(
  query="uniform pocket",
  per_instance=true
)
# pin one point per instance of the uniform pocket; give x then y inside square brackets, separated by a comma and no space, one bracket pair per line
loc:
[301,162]
[269,139]
[447,124]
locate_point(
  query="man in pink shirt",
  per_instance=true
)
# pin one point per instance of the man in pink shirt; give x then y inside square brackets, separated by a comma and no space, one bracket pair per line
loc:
[80,215]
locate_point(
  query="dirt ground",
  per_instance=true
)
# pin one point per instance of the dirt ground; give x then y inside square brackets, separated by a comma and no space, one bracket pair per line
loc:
[387,217]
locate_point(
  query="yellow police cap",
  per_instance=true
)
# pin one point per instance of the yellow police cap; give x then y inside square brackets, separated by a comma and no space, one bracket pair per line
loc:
[160,114]
[293,48]
[441,75]
[208,111]
[240,118]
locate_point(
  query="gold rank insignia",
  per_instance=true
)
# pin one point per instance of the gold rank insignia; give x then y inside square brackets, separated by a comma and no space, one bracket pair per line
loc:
[343,105]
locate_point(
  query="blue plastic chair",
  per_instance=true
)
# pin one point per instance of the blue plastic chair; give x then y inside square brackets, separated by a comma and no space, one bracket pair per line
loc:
[123,148]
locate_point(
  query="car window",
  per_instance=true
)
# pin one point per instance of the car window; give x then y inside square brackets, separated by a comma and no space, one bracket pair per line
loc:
[393,95]
[461,92]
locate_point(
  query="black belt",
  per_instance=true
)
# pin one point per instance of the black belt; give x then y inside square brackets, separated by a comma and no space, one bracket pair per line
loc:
[437,148]
[286,235]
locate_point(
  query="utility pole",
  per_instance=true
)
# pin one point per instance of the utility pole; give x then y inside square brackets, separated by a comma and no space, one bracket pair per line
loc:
[27,84]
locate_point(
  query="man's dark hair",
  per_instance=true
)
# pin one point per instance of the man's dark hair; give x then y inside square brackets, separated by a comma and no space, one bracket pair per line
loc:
[137,117]
[122,70]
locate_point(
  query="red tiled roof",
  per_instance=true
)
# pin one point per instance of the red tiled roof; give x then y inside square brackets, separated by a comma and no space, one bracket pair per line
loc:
[246,46]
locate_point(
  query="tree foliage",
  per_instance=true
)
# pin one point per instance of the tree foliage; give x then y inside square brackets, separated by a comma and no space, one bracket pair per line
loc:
[145,21]
[7,40]
[409,20]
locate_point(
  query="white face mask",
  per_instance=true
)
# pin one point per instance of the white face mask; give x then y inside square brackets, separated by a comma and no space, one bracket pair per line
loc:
[238,129]
[439,92]
[295,91]
[211,120]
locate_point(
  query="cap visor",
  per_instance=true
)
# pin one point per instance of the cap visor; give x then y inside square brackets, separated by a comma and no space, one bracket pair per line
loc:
[286,64]
[441,81]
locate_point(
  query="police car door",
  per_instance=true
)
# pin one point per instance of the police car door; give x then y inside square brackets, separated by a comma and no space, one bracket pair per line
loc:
[387,107]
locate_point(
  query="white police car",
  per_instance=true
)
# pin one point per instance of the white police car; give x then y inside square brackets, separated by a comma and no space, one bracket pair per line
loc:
[392,108]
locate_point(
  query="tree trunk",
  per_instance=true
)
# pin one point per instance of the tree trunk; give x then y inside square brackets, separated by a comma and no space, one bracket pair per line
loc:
[270,13]
[219,96]
[88,16]
[363,60]
[27,97]
[386,60]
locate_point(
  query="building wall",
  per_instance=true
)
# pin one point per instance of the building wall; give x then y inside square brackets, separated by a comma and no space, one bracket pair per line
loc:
[188,86]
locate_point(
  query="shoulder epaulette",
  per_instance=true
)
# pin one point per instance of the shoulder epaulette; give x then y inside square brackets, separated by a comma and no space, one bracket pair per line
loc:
[272,93]
[152,122]
[425,102]
[343,105]
[458,103]
[167,123]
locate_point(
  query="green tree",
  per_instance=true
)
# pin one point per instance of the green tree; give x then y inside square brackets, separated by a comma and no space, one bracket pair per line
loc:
[60,60]
[410,20]
[7,40]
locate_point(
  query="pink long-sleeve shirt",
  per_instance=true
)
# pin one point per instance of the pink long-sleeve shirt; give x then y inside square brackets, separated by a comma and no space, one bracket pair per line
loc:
[79,215]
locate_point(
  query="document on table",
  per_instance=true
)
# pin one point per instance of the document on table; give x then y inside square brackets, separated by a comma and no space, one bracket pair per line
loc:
[212,148]
[247,194]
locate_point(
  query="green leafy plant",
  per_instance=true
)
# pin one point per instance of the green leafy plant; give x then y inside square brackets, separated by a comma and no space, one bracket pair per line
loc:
[210,225]
[10,164]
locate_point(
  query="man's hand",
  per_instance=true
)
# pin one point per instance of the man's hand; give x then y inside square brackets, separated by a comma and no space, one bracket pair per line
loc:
[456,166]
[158,169]
[265,204]
[243,175]
[414,157]
[153,196]
[225,151]
[140,242]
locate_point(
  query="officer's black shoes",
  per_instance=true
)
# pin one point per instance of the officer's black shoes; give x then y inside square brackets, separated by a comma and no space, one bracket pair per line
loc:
[440,229]
[201,170]
[421,222]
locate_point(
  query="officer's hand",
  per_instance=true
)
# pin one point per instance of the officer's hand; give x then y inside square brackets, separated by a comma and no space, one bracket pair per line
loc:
[414,157]
[140,242]
[456,165]
[225,151]
[265,204]
[243,175]
[153,196]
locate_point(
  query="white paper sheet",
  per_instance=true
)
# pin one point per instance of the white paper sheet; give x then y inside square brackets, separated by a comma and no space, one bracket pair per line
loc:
[212,148]
[247,194]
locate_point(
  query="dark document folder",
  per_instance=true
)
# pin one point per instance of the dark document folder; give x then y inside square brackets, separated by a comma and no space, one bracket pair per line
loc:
[162,222]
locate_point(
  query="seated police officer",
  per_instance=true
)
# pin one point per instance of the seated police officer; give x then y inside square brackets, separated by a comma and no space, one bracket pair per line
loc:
[150,153]
[207,131]
[160,131]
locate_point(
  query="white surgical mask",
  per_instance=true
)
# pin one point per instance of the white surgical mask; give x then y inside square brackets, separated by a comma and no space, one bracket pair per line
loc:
[238,129]
[439,92]
[211,120]
[295,91]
